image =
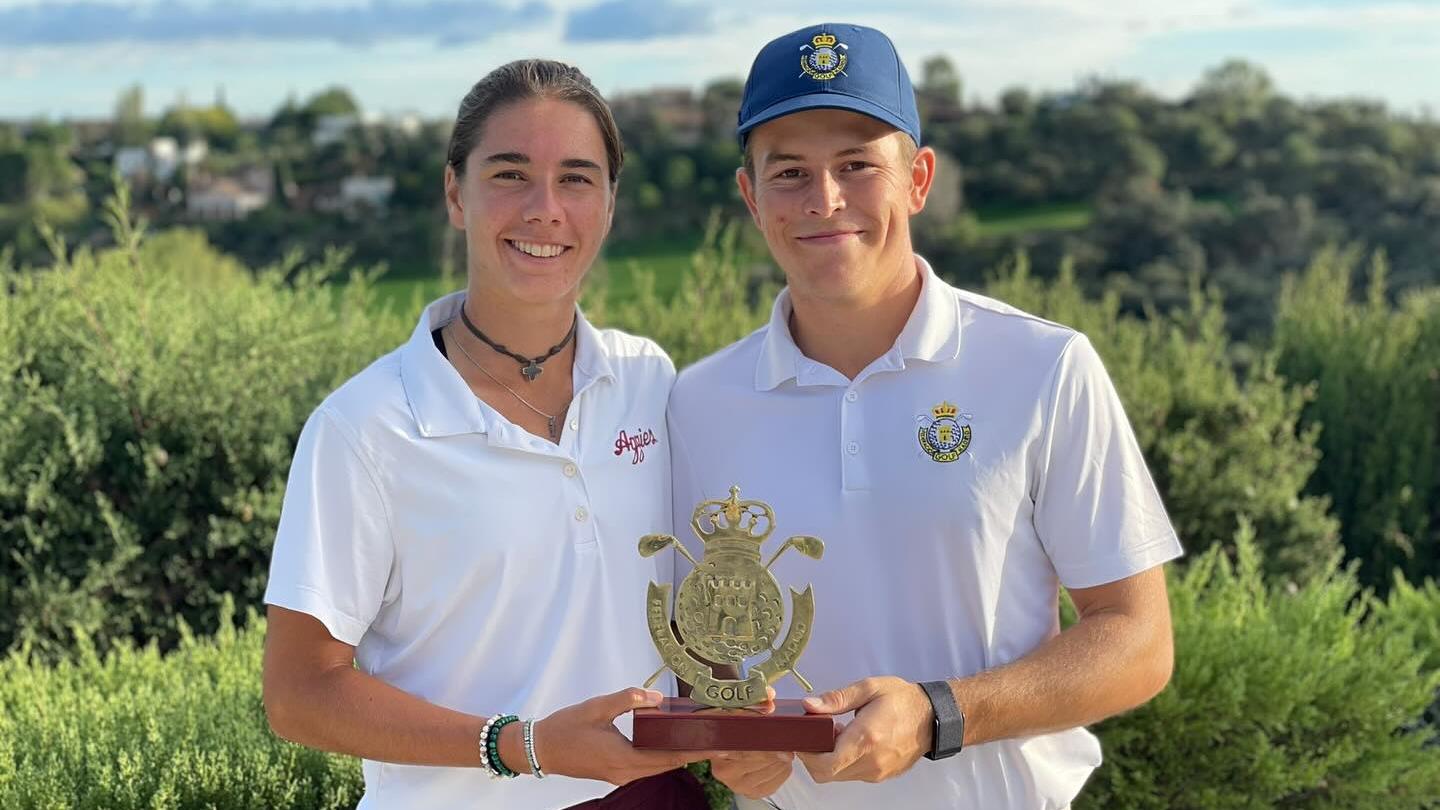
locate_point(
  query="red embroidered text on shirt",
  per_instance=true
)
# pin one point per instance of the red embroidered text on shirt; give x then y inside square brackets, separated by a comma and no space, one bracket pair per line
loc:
[635,444]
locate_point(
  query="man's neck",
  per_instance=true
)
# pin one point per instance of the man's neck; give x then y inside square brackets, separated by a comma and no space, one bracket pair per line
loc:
[849,335]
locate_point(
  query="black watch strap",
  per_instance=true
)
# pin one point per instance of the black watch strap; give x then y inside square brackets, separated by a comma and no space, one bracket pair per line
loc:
[949,722]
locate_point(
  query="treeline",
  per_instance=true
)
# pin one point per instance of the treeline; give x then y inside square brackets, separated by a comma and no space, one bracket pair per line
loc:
[1235,184]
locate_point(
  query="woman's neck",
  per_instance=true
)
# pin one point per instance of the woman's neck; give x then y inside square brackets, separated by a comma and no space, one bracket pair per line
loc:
[522,327]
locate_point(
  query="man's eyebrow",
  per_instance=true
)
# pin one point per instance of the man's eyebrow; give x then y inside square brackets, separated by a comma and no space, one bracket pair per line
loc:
[508,157]
[580,163]
[783,157]
[786,157]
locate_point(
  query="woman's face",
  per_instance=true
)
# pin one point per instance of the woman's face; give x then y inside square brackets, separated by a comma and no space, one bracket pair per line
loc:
[535,201]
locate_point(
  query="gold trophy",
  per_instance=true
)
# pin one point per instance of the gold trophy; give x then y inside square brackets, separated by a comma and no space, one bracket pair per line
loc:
[729,609]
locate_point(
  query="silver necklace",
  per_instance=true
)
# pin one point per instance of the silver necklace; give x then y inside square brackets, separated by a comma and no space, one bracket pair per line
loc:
[549,418]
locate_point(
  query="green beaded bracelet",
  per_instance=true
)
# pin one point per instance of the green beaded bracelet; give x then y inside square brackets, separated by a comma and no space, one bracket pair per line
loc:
[492,745]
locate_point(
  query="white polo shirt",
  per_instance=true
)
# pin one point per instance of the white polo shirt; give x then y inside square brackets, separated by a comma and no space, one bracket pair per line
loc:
[471,563]
[957,482]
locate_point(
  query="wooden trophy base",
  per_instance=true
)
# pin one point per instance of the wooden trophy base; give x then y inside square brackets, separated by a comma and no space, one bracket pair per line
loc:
[681,724]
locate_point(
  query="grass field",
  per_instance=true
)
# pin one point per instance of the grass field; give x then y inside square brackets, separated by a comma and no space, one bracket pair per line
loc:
[998,222]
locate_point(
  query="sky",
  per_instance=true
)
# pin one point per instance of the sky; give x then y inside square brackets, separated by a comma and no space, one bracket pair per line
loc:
[71,58]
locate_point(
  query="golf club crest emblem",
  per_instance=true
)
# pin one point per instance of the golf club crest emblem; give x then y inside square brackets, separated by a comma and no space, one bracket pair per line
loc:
[729,608]
[823,58]
[942,437]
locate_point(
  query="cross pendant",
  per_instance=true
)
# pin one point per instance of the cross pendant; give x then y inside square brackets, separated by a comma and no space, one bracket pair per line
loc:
[531,371]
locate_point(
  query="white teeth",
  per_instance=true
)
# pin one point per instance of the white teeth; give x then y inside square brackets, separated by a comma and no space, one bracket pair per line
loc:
[537,249]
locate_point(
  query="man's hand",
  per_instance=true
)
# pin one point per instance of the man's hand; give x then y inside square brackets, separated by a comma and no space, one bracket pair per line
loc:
[752,774]
[891,730]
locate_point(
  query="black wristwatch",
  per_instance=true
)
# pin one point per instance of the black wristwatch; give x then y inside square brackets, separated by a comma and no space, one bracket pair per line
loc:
[949,721]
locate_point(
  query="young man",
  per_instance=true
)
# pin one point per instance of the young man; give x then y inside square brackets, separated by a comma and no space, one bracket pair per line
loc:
[962,461]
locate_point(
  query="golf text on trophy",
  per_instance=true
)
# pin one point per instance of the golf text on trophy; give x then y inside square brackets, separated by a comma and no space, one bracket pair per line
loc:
[729,609]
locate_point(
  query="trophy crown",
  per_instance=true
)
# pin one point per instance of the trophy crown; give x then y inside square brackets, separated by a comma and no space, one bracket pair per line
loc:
[944,410]
[824,40]
[733,524]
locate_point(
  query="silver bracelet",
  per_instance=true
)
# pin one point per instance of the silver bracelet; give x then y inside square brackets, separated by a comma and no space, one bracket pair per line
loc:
[529,737]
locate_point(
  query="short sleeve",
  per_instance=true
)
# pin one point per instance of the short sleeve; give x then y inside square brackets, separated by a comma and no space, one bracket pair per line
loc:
[683,497]
[333,551]
[1097,511]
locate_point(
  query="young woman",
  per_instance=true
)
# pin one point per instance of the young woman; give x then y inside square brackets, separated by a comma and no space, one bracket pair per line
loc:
[457,544]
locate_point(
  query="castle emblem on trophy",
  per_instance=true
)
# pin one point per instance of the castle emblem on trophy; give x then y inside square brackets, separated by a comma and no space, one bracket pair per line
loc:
[729,608]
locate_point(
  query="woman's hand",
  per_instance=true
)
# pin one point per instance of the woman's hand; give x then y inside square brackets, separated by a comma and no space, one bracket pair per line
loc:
[581,741]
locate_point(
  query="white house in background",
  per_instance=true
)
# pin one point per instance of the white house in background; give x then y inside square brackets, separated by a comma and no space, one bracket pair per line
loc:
[357,193]
[332,128]
[160,159]
[374,192]
[132,161]
[229,198]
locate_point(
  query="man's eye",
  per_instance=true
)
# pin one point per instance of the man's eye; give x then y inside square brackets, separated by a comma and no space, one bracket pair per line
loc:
[509,175]
[856,165]
[576,178]
[789,174]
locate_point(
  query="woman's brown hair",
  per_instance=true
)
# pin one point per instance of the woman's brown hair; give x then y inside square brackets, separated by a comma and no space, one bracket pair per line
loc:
[525,79]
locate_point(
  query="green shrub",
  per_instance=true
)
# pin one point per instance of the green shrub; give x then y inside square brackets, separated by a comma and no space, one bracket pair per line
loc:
[136,729]
[1219,446]
[717,301]
[1308,697]
[150,399]
[1376,372]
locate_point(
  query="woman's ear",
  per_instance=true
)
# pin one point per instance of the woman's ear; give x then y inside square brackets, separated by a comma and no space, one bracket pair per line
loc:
[454,200]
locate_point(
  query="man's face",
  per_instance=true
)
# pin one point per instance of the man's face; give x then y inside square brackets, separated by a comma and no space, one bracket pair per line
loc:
[833,192]
[535,201]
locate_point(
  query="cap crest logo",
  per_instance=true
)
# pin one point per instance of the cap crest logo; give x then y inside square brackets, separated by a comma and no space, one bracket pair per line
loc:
[823,58]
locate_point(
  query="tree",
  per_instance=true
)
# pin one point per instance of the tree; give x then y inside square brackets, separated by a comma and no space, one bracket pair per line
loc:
[1236,89]
[131,128]
[332,101]
[941,81]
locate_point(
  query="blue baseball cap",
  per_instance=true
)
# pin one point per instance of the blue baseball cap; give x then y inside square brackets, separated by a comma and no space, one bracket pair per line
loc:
[831,66]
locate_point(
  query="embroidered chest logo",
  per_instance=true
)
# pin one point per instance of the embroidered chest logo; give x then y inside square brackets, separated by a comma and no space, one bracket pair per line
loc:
[942,437]
[635,444]
[824,58]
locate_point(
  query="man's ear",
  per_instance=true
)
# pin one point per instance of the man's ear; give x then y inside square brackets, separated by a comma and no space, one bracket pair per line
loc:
[922,177]
[454,201]
[747,192]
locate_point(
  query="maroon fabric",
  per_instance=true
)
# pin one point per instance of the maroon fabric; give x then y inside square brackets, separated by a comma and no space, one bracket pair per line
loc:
[672,790]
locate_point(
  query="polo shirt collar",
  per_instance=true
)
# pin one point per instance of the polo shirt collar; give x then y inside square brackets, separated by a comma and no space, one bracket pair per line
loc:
[440,401]
[931,334]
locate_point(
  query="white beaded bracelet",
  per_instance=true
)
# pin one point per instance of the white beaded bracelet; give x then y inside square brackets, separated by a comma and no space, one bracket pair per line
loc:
[485,748]
[529,737]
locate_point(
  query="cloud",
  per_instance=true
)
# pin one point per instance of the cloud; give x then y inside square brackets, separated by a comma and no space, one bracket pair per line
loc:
[170,21]
[635,20]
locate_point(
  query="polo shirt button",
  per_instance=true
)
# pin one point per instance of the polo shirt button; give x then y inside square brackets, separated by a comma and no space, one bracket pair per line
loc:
[569,470]
[581,514]
[574,424]
[852,448]
[851,396]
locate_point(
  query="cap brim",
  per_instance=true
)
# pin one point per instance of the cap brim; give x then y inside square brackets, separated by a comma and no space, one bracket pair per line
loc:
[822,101]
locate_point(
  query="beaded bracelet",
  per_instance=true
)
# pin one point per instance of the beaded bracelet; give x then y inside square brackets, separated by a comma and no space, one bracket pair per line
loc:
[529,736]
[490,746]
